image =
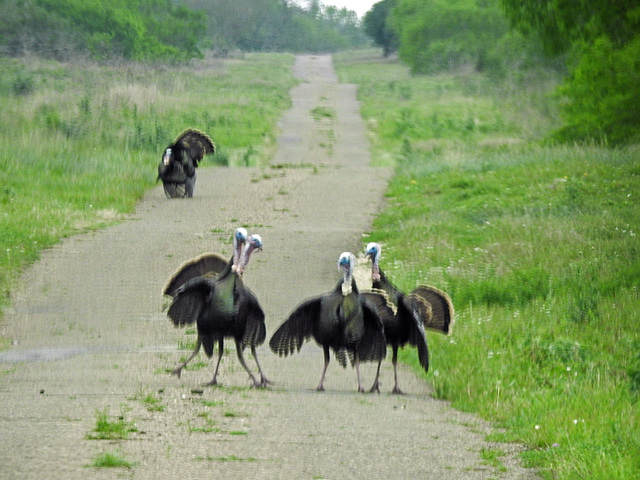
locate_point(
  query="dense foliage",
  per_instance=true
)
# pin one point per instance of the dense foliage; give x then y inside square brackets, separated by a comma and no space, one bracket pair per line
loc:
[131,29]
[438,35]
[603,37]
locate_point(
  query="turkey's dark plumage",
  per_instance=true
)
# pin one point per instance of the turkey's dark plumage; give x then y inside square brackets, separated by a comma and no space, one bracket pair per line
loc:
[425,307]
[206,265]
[222,306]
[180,160]
[343,320]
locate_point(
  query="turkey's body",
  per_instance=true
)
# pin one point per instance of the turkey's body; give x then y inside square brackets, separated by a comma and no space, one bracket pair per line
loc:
[343,320]
[424,308]
[177,169]
[222,307]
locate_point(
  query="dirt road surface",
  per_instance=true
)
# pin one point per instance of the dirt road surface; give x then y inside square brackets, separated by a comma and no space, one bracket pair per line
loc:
[90,334]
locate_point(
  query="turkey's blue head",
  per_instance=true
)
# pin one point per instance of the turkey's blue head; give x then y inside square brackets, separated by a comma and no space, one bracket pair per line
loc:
[239,240]
[346,262]
[373,252]
[255,241]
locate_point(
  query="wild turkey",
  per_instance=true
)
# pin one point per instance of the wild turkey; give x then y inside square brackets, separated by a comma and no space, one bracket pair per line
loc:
[343,320]
[424,308]
[208,265]
[177,169]
[221,306]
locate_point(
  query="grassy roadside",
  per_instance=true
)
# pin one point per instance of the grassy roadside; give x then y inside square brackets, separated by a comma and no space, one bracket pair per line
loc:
[80,142]
[537,246]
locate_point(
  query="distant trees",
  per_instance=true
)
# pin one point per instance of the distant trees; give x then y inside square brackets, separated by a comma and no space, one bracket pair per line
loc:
[163,30]
[267,25]
[377,26]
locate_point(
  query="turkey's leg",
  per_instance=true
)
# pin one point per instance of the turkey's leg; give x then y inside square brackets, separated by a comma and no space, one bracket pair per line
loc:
[178,369]
[320,387]
[376,386]
[239,349]
[357,365]
[396,389]
[214,380]
[264,381]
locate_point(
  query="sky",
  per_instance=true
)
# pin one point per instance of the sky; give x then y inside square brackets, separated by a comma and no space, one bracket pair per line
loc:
[359,6]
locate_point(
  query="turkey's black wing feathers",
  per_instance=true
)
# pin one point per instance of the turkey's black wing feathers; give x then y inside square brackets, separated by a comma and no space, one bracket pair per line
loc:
[296,329]
[190,299]
[376,310]
[206,265]
[255,330]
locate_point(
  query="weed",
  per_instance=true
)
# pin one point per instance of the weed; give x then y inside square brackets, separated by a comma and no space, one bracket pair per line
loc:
[111,460]
[152,403]
[111,428]
[322,112]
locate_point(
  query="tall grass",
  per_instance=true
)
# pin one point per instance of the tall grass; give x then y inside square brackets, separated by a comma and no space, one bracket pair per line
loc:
[80,142]
[537,246]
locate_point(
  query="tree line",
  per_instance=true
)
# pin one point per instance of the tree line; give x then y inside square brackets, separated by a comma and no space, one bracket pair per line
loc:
[595,42]
[168,31]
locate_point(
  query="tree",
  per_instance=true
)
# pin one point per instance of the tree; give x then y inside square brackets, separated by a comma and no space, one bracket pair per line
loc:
[132,29]
[602,38]
[563,23]
[378,27]
[437,35]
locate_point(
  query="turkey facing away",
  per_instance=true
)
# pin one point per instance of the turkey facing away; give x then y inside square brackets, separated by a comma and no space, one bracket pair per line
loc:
[424,308]
[180,160]
[220,305]
[343,320]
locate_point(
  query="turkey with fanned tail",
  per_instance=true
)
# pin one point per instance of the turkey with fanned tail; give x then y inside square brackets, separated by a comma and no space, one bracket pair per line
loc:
[425,307]
[177,169]
[344,320]
[221,306]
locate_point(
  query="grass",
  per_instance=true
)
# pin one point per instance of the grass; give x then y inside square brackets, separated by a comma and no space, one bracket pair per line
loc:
[151,402]
[110,428]
[111,460]
[81,142]
[536,244]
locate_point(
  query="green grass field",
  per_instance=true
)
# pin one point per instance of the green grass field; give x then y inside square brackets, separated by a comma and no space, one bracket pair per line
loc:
[537,244]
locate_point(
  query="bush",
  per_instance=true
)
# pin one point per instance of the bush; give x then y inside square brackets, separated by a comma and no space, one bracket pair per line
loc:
[603,94]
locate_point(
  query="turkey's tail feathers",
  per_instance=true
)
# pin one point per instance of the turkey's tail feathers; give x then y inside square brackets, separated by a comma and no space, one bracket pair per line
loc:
[196,143]
[442,318]
[206,265]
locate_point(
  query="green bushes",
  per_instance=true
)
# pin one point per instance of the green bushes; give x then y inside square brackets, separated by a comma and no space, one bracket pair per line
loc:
[144,30]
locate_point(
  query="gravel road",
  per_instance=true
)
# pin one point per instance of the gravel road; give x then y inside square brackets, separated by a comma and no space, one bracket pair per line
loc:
[90,334]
